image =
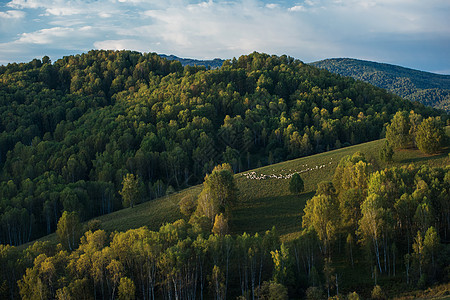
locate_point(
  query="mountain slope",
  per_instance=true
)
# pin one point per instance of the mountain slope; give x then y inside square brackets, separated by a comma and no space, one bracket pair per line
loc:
[71,130]
[428,88]
[265,203]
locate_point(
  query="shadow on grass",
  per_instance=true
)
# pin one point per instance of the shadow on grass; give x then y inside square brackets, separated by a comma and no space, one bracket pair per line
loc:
[425,158]
[259,215]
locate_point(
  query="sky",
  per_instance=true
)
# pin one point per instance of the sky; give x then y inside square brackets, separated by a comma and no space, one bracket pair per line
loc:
[409,33]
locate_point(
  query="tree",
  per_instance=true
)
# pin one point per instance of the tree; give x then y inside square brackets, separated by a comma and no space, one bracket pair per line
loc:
[296,185]
[217,283]
[69,230]
[126,289]
[430,135]
[219,192]
[398,131]
[131,191]
[322,213]
[187,205]
[115,270]
[419,255]
[353,296]
[281,264]
[328,272]
[220,225]
[374,224]
[386,152]
[377,293]
[431,245]
[352,172]
[270,290]
[314,293]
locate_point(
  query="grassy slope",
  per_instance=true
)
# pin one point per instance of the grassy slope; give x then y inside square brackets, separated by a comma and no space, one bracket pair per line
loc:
[264,203]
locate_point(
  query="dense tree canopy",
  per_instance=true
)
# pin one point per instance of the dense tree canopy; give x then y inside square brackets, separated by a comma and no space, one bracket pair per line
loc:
[408,130]
[71,130]
[430,135]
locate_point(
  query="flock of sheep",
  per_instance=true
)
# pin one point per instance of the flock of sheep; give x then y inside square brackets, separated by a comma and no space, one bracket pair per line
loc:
[253,175]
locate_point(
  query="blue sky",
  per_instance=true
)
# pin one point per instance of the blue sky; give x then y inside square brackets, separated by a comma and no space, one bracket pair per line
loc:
[410,33]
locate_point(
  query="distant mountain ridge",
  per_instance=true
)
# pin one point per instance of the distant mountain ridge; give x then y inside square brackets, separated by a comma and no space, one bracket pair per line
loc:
[213,63]
[428,88]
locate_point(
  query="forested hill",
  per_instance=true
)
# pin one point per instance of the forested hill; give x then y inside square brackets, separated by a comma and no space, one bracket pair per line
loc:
[428,88]
[71,130]
[212,63]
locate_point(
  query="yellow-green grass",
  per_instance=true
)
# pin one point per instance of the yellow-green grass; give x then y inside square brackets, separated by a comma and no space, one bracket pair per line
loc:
[265,203]
[152,214]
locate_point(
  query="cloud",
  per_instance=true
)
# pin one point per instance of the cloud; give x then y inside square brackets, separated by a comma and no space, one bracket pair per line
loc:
[382,30]
[272,5]
[56,36]
[12,14]
[25,4]
[297,8]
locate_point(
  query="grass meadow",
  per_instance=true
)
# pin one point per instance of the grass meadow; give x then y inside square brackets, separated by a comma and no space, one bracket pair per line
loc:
[265,203]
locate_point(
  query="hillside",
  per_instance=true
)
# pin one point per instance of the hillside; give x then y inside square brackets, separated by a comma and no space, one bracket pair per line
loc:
[428,88]
[266,203]
[262,203]
[88,135]
[71,130]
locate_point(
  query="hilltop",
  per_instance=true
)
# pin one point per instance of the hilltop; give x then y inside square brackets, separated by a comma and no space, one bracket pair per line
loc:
[428,88]
[71,130]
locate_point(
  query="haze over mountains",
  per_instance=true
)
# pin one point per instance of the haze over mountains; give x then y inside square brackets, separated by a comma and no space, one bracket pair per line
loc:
[428,88]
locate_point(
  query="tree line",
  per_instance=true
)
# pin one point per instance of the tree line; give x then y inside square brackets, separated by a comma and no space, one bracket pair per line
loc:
[71,130]
[391,223]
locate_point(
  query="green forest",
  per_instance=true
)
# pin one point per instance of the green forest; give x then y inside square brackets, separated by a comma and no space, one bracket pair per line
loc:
[427,88]
[91,134]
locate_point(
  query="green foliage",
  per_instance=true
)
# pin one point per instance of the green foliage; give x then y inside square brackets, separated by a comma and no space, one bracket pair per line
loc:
[386,152]
[171,249]
[427,88]
[353,296]
[219,192]
[281,264]
[69,230]
[131,190]
[377,293]
[127,289]
[321,214]
[220,226]
[80,124]
[188,205]
[430,136]
[270,290]
[296,184]
[352,172]
[398,132]
[94,225]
